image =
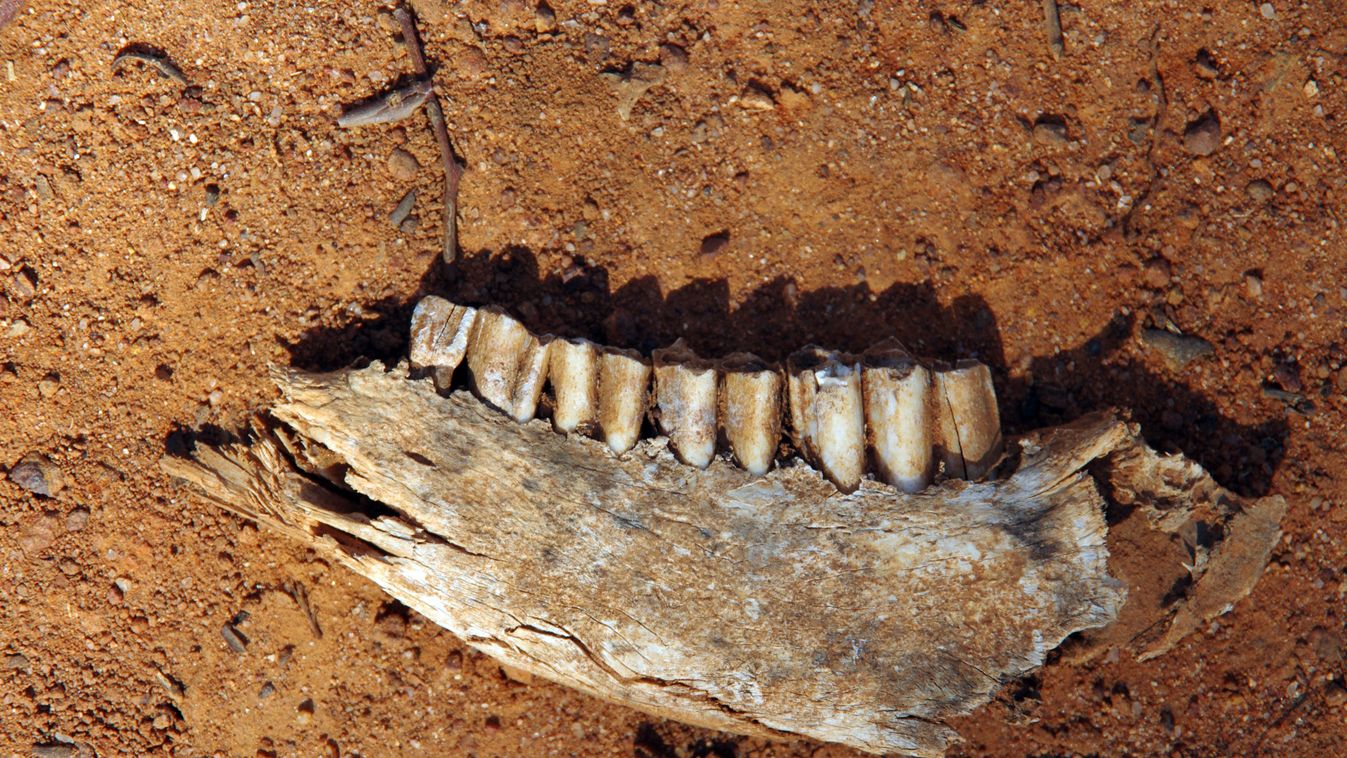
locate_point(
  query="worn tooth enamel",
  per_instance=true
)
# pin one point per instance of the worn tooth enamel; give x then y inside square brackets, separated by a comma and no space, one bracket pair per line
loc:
[685,394]
[827,413]
[968,428]
[751,410]
[439,339]
[508,365]
[898,416]
[573,371]
[624,377]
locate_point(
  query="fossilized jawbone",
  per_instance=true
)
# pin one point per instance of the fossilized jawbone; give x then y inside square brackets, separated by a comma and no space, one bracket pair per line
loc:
[702,575]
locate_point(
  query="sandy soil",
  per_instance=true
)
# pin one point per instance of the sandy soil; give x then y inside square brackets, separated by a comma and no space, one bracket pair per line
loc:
[830,172]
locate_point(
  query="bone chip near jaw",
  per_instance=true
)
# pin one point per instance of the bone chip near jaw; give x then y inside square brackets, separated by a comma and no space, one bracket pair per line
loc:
[573,371]
[898,416]
[827,416]
[624,377]
[685,394]
[751,410]
[507,364]
[968,427]
[439,339]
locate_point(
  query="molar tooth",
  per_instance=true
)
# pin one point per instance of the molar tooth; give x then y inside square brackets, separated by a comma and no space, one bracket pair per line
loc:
[898,416]
[685,393]
[968,429]
[827,413]
[751,410]
[574,373]
[439,339]
[624,377]
[508,364]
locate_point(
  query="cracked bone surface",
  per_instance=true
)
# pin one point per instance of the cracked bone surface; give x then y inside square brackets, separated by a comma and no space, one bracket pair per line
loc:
[751,410]
[827,416]
[508,365]
[898,416]
[439,339]
[711,595]
[685,395]
[624,378]
[573,371]
[968,422]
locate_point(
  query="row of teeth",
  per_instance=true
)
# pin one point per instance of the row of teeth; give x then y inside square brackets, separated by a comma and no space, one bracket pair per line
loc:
[881,413]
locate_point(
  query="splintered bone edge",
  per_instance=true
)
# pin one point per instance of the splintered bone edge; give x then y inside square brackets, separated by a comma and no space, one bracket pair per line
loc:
[713,596]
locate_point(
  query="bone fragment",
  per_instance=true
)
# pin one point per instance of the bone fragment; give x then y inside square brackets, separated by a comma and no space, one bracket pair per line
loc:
[968,423]
[573,371]
[685,394]
[507,364]
[771,606]
[624,378]
[827,414]
[439,338]
[751,410]
[898,417]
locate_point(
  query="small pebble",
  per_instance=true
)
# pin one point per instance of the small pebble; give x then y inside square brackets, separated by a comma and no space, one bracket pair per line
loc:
[18,662]
[1178,350]
[402,165]
[77,520]
[403,209]
[38,475]
[23,286]
[1253,286]
[1050,132]
[1259,190]
[48,385]
[267,691]
[236,641]
[1157,274]
[55,750]
[1203,136]
[409,224]
[1267,11]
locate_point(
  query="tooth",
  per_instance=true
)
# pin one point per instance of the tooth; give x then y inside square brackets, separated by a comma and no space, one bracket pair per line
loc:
[968,436]
[573,371]
[685,393]
[440,332]
[624,376]
[826,413]
[898,416]
[751,411]
[508,364]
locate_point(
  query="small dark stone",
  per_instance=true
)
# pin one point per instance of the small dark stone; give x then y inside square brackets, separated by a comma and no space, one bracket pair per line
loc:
[38,475]
[1178,350]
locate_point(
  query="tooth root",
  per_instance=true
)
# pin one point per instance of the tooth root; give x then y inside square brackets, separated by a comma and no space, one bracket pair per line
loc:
[624,377]
[685,393]
[898,416]
[968,432]
[751,411]
[827,413]
[573,371]
[439,339]
[508,365]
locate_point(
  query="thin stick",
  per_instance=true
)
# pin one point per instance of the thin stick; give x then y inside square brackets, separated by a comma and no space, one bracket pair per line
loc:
[453,172]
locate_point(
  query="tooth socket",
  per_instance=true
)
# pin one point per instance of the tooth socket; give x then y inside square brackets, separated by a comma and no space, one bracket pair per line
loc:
[685,396]
[827,416]
[439,339]
[573,371]
[751,411]
[899,417]
[968,428]
[508,366]
[624,378]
